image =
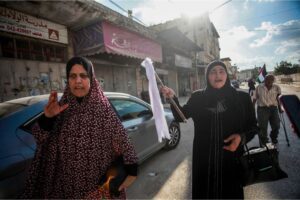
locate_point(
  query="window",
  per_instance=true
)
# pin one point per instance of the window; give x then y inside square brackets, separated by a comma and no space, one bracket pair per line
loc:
[31,49]
[22,49]
[36,51]
[60,54]
[49,53]
[128,110]
[7,47]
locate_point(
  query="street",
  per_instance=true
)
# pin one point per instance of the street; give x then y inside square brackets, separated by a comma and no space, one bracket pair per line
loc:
[167,175]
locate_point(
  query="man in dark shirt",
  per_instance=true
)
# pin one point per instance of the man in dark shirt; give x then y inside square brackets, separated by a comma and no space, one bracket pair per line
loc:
[251,85]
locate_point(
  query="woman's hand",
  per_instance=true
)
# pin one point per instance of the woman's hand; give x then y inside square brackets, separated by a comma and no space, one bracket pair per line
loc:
[127,182]
[234,141]
[167,92]
[53,108]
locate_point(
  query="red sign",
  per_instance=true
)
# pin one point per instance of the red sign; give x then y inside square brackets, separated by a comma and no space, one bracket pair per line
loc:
[53,34]
[120,41]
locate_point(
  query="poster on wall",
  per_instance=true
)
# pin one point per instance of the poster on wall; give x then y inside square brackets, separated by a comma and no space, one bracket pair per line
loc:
[44,78]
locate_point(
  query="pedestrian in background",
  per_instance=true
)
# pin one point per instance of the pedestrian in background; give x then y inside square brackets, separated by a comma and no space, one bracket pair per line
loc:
[77,139]
[224,119]
[251,85]
[266,97]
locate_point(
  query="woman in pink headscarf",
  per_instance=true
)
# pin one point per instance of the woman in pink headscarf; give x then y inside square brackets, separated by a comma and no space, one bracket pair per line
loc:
[78,138]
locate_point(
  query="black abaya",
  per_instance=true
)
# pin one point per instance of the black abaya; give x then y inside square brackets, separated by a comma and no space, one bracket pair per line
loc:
[217,114]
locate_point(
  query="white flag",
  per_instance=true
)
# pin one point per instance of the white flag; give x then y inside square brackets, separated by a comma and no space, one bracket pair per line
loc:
[156,105]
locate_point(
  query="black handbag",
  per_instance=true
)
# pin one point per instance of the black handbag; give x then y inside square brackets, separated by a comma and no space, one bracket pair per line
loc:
[260,164]
[114,176]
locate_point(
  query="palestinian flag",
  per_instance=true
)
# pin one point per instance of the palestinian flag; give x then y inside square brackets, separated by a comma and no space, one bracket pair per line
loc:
[262,73]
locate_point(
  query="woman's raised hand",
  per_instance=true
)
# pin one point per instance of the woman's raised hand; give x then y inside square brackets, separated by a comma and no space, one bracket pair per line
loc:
[167,92]
[53,108]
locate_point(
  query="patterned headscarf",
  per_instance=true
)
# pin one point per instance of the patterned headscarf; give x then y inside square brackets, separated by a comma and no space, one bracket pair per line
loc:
[86,137]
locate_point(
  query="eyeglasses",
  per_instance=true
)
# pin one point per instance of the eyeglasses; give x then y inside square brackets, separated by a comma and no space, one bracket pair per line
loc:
[83,76]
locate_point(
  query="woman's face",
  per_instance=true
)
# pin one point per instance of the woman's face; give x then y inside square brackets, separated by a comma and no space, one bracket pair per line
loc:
[217,77]
[79,81]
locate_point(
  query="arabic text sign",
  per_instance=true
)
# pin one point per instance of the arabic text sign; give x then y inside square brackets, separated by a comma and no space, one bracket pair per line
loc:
[20,23]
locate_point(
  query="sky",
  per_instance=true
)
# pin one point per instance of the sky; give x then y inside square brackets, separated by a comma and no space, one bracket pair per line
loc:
[252,32]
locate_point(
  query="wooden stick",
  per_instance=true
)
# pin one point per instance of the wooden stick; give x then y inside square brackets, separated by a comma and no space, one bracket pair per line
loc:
[172,101]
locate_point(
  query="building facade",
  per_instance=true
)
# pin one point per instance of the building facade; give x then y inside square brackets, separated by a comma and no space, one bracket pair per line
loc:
[231,69]
[38,37]
[245,75]
[203,33]
[33,52]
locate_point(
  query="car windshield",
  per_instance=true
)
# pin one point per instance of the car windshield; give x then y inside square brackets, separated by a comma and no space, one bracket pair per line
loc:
[12,106]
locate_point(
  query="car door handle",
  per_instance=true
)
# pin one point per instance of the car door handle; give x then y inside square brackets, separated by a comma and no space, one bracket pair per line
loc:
[132,129]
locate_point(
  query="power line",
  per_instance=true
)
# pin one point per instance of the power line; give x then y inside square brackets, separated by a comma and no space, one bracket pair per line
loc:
[118,6]
[213,10]
[126,11]
[253,18]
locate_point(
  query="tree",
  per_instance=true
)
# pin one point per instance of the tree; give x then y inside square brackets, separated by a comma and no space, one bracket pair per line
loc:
[286,68]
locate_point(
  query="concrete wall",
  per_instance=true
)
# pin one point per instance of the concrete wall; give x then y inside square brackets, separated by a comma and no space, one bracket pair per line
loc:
[294,77]
[20,78]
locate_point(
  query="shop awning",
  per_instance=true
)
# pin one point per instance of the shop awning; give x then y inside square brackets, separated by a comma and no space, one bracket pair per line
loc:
[105,37]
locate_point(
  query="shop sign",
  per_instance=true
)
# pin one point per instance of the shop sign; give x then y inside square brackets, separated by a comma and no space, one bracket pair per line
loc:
[23,24]
[120,41]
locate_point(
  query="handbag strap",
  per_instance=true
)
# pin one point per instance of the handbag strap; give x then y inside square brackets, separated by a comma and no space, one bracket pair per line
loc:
[248,150]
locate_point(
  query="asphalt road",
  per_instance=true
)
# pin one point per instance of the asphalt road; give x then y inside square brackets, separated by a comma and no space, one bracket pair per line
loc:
[167,175]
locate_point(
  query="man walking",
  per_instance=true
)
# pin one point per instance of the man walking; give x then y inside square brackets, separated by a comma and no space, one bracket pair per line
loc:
[251,85]
[266,96]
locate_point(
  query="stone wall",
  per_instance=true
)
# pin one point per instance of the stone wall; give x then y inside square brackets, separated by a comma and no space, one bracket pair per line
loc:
[288,78]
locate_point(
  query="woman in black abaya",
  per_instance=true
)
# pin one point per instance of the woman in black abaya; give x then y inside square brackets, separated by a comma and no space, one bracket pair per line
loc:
[224,118]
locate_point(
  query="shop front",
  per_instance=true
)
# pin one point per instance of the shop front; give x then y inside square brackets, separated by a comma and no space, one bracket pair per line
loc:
[117,54]
[185,75]
[32,55]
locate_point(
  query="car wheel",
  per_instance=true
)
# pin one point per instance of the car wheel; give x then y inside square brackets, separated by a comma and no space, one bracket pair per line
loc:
[174,131]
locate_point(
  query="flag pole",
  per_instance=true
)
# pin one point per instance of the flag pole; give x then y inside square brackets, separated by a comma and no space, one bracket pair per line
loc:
[172,100]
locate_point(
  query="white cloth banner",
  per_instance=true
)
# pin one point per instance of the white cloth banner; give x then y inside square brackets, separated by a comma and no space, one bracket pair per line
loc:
[156,105]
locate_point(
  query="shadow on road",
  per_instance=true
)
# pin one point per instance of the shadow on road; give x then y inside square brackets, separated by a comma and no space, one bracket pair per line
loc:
[167,174]
[289,159]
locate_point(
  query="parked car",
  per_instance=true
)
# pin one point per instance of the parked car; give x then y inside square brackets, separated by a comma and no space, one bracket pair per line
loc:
[235,83]
[17,145]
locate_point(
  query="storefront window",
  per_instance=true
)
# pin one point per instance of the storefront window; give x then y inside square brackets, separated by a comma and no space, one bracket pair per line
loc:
[31,50]
[60,54]
[7,47]
[36,51]
[49,53]
[22,49]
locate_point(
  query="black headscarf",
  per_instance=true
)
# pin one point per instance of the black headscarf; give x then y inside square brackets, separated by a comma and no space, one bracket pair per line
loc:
[87,65]
[226,91]
[209,68]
